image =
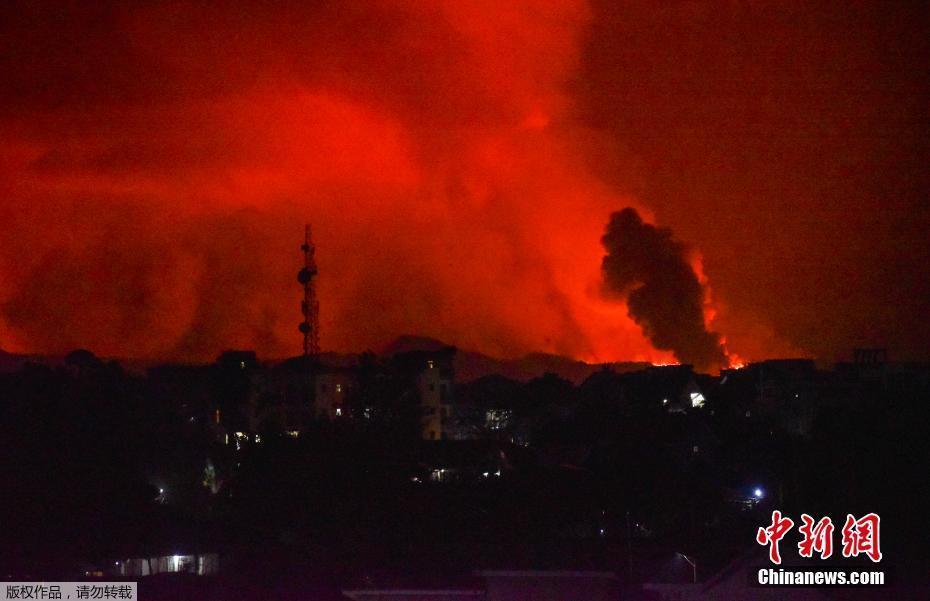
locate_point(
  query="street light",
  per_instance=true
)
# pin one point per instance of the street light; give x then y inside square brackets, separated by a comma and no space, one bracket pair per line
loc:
[693,566]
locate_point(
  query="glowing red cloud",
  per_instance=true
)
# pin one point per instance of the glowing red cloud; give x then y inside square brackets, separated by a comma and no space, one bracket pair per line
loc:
[159,212]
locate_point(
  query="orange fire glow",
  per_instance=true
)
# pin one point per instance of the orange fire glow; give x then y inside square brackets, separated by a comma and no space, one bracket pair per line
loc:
[158,212]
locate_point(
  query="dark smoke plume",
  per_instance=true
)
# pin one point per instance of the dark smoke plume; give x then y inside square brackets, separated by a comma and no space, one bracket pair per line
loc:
[649,268]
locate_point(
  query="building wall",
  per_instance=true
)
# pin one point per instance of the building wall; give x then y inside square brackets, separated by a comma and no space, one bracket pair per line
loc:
[332,391]
[435,392]
[202,565]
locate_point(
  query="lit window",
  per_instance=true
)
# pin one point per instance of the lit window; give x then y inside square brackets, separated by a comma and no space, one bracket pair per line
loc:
[242,365]
[497,419]
[429,364]
[697,399]
[338,411]
[338,387]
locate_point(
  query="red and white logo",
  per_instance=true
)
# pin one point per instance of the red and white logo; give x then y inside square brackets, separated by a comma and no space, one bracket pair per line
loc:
[860,536]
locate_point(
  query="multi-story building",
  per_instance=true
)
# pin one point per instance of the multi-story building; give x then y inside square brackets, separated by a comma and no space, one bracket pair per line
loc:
[333,386]
[434,385]
[429,375]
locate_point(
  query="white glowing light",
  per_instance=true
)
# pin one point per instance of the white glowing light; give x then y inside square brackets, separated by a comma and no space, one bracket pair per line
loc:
[757,493]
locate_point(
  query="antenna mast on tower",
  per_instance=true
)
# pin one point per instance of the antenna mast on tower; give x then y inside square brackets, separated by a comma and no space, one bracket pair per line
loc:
[310,326]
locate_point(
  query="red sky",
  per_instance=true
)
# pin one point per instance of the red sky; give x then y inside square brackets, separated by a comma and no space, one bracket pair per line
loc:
[459,162]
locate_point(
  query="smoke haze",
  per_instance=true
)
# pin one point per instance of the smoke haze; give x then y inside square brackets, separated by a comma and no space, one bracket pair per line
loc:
[457,160]
[647,268]
[164,158]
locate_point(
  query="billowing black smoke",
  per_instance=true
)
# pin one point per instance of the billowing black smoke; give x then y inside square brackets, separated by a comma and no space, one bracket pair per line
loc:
[649,269]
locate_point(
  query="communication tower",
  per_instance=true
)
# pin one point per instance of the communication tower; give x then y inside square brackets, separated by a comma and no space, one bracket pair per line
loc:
[310,326]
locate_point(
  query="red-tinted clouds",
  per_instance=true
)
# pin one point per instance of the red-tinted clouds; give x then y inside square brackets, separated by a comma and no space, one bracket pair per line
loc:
[459,162]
